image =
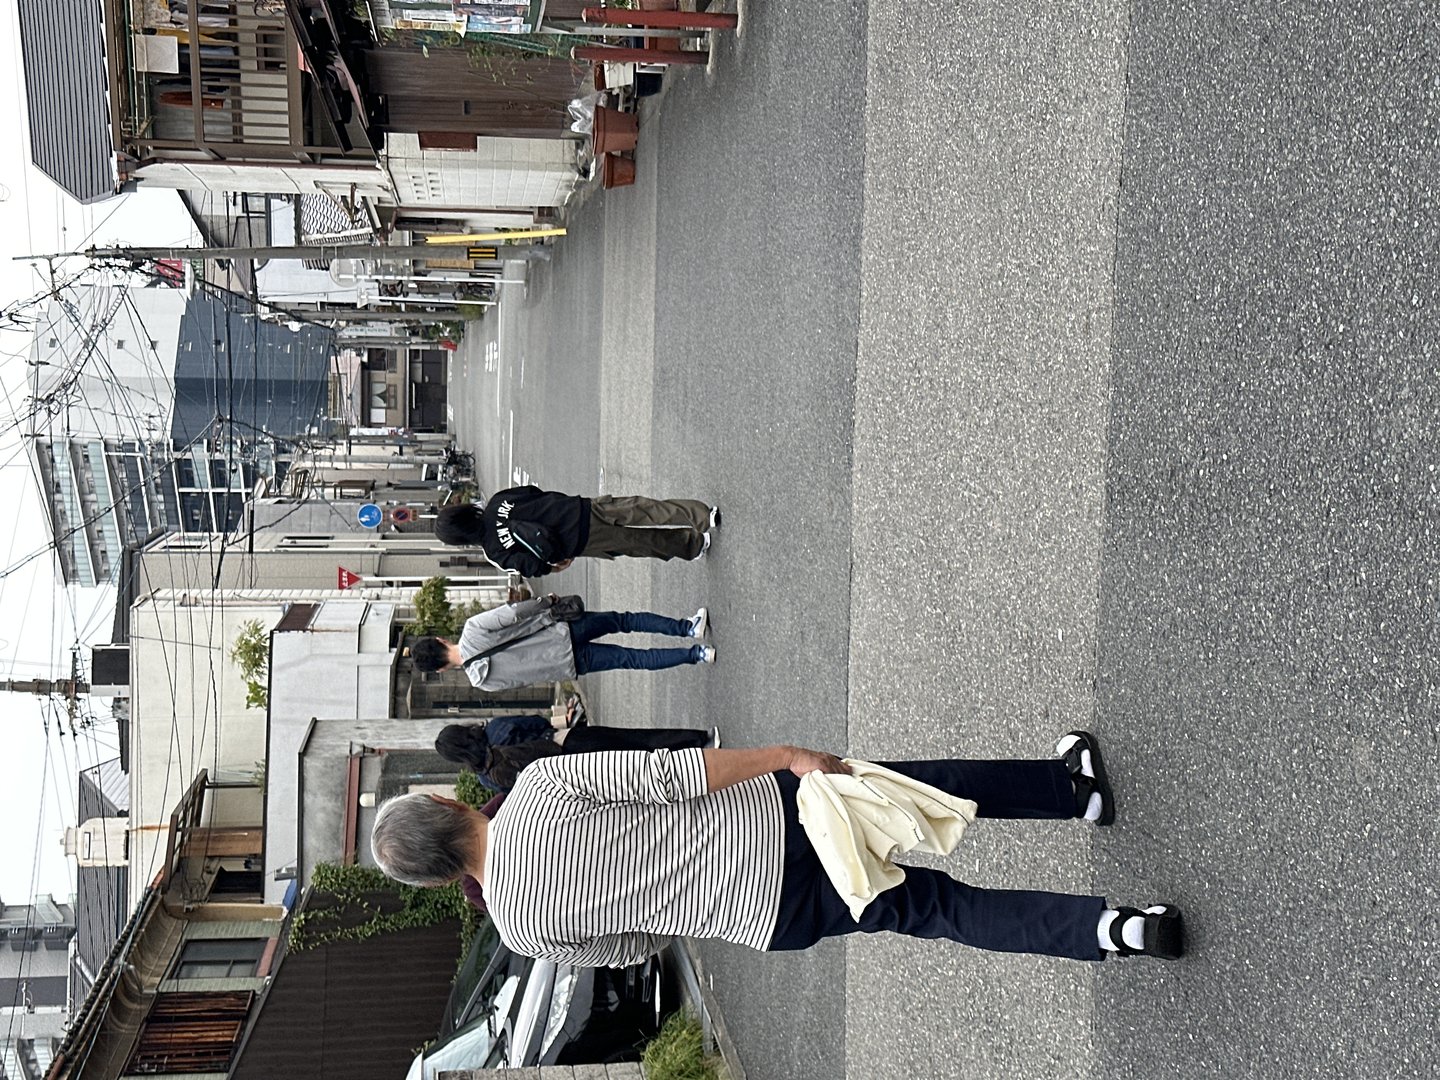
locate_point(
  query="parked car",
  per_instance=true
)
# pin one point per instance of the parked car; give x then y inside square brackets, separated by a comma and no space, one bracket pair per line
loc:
[509,1011]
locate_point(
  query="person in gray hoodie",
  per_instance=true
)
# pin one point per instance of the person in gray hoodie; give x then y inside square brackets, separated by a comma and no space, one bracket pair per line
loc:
[522,643]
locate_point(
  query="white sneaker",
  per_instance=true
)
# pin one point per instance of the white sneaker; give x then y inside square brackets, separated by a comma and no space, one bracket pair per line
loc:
[707,654]
[703,548]
[714,517]
[714,738]
[699,623]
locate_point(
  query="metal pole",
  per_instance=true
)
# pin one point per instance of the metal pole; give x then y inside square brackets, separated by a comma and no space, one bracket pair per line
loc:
[45,687]
[442,239]
[326,252]
[637,56]
[668,20]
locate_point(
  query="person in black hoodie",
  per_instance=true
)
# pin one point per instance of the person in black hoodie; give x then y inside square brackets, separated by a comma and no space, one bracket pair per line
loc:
[536,532]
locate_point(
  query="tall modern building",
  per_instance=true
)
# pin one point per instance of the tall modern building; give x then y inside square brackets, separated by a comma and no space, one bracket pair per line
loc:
[154,411]
[101,496]
[34,972]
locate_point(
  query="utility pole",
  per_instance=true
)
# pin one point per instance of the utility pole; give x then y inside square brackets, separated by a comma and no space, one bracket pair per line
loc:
[69,690]
[325,252]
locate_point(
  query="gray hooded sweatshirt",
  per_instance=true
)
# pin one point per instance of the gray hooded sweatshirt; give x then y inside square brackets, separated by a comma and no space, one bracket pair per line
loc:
[537,648]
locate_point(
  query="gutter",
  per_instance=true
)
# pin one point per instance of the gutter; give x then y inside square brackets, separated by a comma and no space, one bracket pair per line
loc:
[300,802]
[698,995]
[90,1012]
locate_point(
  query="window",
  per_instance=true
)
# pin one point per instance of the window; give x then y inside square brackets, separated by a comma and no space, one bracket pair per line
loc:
[185,474]
[220,958]
[238,884]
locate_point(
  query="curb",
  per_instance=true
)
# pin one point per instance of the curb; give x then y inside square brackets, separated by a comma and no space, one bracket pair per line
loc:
[702,999]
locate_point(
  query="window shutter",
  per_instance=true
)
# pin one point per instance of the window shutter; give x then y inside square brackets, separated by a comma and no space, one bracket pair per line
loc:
[191,1033]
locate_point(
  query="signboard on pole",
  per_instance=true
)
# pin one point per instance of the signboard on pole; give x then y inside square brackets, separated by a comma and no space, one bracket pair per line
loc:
[370,515]
[346,579]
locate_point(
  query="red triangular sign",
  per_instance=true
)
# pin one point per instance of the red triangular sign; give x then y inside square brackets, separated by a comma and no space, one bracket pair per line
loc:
[346,578]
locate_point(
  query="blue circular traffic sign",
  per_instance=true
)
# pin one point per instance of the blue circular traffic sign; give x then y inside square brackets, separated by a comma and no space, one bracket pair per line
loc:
[369,515]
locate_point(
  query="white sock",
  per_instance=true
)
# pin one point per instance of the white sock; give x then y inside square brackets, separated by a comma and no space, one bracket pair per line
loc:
[1096,805]
[1132,932]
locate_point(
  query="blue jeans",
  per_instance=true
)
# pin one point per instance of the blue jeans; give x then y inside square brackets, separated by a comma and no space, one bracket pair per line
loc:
[931,904]
[593,624]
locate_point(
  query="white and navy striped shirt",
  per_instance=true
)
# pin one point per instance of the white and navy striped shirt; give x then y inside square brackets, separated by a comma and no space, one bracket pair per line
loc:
[600,859]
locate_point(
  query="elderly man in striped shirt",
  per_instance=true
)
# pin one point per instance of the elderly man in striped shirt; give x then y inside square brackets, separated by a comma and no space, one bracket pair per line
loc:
[600,859]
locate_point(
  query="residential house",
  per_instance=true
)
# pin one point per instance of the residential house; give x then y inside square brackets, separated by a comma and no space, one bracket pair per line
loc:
[338,1011]
[332,655]
[188,710]
[202,983]
[98,844]
[299,98]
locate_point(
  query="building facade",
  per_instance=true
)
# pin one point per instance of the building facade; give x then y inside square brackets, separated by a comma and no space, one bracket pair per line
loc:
[155,411]
[174,994]
[101,871]
[34,963]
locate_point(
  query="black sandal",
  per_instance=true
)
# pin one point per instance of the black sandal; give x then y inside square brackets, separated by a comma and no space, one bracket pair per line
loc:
[1164,932]
[1085,786]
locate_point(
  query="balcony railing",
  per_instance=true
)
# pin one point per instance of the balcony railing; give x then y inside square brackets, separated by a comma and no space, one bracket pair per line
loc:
[230,87]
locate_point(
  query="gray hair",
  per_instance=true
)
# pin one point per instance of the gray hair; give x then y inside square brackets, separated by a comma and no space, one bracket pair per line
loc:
[419,841]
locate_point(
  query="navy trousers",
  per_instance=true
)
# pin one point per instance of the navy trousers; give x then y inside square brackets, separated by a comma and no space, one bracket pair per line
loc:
[929,904]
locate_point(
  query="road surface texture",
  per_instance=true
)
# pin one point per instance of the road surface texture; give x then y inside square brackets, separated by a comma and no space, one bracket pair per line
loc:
[1056,365]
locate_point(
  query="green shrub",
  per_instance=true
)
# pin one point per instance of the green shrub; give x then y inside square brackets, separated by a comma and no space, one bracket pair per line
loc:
[251,653]
[471,792]
[356,918]
[678,1052]
[435,615]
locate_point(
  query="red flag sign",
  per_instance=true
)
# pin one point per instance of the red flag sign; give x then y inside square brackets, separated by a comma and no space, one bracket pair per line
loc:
[346,578]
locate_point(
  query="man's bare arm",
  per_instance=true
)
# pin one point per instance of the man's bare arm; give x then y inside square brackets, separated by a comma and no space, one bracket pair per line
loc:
[726,768]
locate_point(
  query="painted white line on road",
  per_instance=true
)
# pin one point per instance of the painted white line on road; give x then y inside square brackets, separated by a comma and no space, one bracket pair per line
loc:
[511,442]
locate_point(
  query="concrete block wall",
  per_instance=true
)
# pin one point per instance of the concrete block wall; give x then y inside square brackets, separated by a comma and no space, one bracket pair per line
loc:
[498,172]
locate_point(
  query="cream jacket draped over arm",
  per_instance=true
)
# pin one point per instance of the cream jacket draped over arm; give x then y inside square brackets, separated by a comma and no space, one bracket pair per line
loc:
[858,821]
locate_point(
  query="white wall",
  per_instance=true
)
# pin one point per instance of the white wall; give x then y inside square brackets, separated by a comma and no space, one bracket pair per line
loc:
[498,173]
[290,280]
[107,336]
[369,180]
[337,669]
[187,713]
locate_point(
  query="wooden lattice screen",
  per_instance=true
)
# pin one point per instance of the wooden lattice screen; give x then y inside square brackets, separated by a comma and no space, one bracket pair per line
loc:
[193,1032]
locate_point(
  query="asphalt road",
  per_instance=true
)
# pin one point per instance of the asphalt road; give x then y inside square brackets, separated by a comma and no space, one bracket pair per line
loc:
[1055,365]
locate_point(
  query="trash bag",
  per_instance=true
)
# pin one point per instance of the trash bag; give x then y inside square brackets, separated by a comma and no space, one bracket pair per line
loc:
[582,113]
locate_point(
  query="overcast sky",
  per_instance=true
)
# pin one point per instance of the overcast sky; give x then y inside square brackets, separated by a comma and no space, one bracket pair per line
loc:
[40,620]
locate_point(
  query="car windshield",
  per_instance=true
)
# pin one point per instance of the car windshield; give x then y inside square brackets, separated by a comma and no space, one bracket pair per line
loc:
[481,1043]
[482,959]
